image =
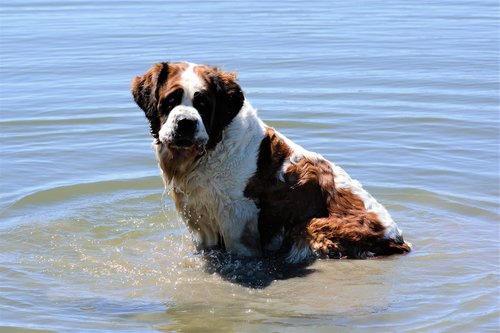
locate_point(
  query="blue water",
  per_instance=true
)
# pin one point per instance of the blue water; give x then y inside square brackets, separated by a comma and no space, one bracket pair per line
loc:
[404,95]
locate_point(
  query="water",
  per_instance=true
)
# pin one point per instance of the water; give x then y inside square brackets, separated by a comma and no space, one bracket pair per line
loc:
[403,94]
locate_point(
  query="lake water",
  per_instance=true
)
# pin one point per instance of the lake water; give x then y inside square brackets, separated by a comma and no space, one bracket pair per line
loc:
[403,94]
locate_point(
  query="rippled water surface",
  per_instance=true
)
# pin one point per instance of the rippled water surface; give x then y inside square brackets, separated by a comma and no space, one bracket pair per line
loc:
[403,94]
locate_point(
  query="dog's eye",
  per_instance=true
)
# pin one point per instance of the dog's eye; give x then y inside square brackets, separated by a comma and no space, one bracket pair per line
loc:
[171,101]
[201,102]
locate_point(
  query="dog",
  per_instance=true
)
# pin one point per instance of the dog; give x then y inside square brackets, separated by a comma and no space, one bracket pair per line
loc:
[243,187]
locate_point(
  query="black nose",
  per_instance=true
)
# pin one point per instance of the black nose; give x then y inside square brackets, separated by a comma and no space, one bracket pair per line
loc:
[185,128]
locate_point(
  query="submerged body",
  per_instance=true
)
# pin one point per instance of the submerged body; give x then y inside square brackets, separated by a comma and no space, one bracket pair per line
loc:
[242,186]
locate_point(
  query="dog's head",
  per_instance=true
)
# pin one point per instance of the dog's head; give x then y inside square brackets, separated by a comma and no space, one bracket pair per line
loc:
[187,105]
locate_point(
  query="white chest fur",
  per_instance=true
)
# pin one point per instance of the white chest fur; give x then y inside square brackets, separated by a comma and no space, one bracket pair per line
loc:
[211,198]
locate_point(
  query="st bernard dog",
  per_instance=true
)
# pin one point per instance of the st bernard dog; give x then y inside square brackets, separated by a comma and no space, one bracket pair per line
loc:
[243,187]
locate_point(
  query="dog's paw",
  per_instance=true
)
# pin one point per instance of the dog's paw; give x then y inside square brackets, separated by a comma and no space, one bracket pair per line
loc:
[323,247]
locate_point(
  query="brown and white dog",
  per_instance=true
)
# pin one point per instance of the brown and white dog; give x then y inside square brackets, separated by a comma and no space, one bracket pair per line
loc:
[242,186]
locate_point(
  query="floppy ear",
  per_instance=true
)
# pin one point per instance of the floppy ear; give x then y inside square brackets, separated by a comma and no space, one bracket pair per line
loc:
[145,90]
[228,102]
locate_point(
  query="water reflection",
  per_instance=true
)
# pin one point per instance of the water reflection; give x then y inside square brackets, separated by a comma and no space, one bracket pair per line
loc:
[253,272]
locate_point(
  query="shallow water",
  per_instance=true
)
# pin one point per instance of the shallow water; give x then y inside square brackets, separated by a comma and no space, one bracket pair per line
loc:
[402,94]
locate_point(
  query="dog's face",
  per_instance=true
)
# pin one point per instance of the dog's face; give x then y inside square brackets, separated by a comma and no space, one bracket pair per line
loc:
[187,105]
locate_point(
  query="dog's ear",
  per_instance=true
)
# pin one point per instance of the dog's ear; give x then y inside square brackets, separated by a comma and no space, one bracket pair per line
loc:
[229,100]
[228,93]
[145,90]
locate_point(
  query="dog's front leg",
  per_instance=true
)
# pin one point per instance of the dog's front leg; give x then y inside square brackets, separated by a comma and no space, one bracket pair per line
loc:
[241,234]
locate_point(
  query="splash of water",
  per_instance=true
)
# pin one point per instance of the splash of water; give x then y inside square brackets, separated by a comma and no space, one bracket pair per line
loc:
[173,219]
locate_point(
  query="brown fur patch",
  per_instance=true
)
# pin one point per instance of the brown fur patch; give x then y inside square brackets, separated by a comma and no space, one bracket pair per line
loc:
[312,211]
[264,188]
[284,204]
[349,230]
[272,153]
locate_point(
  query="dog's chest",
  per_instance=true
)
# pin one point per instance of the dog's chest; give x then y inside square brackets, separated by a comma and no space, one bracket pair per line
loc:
[198,199]
[213,192]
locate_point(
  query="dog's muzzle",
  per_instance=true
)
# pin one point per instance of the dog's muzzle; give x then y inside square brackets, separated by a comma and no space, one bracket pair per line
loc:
[183,129]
